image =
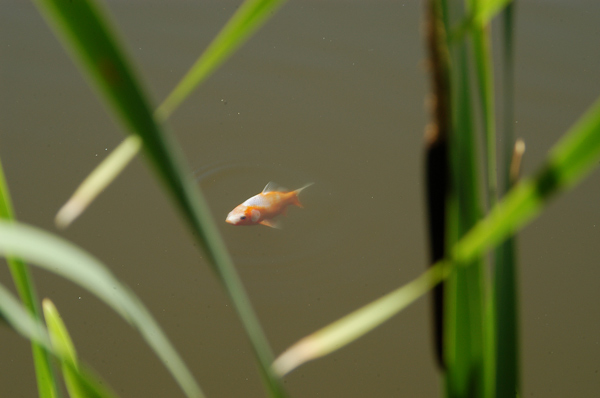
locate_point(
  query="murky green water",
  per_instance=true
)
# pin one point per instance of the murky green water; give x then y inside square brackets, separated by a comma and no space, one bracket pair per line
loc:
[328,92]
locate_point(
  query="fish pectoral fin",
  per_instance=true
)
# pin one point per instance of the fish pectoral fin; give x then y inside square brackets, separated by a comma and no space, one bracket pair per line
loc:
[254,215]
[271,223]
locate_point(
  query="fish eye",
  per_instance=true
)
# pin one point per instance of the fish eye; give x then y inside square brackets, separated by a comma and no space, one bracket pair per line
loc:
[242,217]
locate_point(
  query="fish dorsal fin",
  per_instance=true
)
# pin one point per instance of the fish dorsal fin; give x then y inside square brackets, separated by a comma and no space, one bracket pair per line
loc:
[273,187]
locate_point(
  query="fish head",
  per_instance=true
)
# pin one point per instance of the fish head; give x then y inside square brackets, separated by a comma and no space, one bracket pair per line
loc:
[243,215]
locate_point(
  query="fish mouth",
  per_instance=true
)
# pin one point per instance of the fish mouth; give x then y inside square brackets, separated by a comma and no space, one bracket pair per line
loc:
[230,219]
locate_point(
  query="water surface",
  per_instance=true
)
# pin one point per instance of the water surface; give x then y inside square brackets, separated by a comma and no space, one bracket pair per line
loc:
[328,92]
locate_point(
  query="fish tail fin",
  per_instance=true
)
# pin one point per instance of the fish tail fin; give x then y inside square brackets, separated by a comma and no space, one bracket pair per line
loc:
[295,200]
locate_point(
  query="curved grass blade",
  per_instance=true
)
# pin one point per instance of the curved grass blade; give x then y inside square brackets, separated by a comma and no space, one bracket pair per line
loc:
[86,33]
[359,322]
[79,383]
[23,322]
[575,155]
[241,26]
[571,159]
[63,258]
[46,380]
[98,180]
[247,19]
[59,336]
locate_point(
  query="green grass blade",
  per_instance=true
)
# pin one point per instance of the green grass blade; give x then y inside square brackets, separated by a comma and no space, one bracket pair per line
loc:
[98,180]
[506,327]
[59,336]
[80,383]
[63,258]
[485,77]
[482,55]
[89,39]
[464,339]
[82,24]
[481,16]
[508,80]
[247,19]
[489,9]
[505,281]
[46,380]
[23,322]
[583,140]
[352,326]
[85,383]
[571,159]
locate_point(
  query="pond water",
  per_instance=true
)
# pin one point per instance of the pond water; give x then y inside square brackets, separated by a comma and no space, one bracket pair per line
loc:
[327,92]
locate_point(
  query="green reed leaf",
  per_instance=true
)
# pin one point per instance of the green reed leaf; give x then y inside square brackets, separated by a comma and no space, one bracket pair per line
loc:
[480,16]
[570,160]
[80,383]
[69,261]
[88,36]
[247,19]
[359,322]
[464,344]
[506,292]
[60,338]
[24,323]
[519,206]
[98,180]
[46,380]
[482,55]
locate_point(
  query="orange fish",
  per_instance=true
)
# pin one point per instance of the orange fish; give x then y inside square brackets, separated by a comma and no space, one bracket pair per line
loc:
[261,208]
